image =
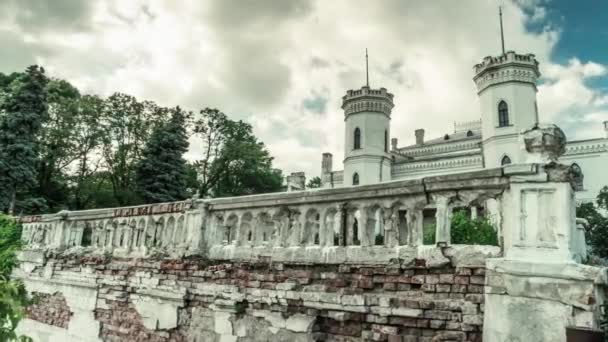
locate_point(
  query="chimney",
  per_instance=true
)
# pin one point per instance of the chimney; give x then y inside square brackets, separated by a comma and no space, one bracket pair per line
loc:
[296,181]
[394,144]
[419,136]
[326,163]
[606,128]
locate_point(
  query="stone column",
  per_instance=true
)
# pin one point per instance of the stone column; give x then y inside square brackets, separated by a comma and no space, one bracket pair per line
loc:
[443,220]
[339,221]
[391,227]
[414,218]
[473,213]
[363,229]
[323,233]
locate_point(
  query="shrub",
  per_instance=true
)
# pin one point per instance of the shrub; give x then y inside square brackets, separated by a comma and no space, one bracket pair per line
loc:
[597,230]
[465,230]
[13,297]
[468,231]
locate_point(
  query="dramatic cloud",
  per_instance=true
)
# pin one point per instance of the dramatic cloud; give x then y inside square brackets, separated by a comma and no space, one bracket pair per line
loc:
[284,65]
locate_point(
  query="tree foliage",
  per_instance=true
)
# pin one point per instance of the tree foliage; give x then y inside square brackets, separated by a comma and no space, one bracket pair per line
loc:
[244,165]
[24,109]
[79,151]
[596,233]
[13,297]
[162,173]
[233,161]
[314,183]
[465,230]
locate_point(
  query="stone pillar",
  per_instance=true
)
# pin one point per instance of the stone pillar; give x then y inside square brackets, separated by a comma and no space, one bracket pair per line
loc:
[364,229]
[539,288]
[339,220]
[349,231]
[443,219]
[415,218]
[391,227]
[474,213]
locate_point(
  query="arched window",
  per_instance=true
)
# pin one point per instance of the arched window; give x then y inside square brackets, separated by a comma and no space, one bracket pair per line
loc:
[505,161]
[356,179]
[385,141]
[357,141]
[469,133]
[503,114]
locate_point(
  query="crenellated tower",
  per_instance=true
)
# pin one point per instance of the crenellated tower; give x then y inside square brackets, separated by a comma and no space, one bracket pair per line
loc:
[367,117]
[506,87]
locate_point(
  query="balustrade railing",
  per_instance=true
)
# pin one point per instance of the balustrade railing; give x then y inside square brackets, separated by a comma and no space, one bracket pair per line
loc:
[385,215]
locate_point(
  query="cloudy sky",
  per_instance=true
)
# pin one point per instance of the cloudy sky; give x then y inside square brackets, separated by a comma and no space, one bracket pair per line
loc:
[283,65]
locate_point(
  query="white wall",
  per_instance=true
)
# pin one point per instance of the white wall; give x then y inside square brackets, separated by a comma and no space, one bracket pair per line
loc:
[595,171]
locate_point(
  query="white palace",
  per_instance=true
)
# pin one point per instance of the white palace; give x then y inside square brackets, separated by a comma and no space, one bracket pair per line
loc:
[506,87]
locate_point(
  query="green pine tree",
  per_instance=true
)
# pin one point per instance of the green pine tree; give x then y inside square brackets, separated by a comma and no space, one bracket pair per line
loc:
[162,173]
[22,112]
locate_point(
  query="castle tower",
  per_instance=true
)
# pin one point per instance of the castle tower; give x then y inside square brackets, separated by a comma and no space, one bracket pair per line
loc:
[367,117]
[506,87]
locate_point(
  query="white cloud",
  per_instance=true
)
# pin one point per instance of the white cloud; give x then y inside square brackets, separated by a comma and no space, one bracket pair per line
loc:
[261,62]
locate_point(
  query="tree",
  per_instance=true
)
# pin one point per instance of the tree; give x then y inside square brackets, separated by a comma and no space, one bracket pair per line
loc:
[314,182]
[244,165]
[24,110]
[211,130]
[57,144]
[162,174]
[87,182]
[128,124]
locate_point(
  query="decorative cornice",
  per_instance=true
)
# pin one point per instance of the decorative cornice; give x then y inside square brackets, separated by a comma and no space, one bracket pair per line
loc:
[509,67]
[473,160]
[593,146]
[367,100]
[439,148]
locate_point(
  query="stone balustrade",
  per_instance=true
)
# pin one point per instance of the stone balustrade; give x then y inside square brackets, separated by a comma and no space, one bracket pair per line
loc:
[376,221]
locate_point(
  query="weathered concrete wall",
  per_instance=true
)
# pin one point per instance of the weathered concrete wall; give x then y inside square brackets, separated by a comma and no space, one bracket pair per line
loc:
[437,297]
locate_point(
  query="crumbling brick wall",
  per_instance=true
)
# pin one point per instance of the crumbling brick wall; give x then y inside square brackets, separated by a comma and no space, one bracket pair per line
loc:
[275,302]
[50,309]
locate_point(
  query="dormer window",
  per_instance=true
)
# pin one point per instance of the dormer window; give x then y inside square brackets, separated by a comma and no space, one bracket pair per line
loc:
[503,114]
[469,133]
[357,139]
[505,161]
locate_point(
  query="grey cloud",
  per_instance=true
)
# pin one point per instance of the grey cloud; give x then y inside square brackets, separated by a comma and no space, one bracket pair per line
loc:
[252,36]
[318,62]
[316,104]
[17,54]
[237,15]
[55,15]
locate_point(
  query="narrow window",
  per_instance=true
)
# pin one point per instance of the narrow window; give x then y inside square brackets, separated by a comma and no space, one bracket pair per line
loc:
[356,179]
[503,114]
[357,142]
[385,141]
[505,161]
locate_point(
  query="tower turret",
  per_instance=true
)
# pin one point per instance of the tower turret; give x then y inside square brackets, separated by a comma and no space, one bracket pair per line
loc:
[367,115]
[506,87]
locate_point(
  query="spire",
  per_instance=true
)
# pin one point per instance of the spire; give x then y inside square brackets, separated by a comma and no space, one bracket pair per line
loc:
[366,69]
[502,36]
